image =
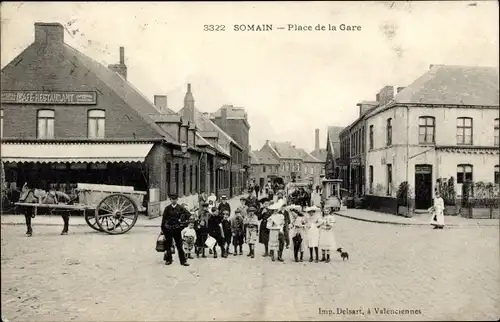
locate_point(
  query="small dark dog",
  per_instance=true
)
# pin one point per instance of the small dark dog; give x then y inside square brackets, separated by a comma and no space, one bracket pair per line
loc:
[343,255]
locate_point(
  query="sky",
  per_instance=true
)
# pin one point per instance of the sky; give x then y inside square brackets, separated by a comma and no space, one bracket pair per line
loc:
[289,82]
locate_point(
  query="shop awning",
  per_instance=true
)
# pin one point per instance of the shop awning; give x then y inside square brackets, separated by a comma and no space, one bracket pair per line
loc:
[75,152]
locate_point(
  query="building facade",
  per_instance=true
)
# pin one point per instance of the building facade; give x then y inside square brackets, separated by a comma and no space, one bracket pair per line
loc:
[443,125]
[289,158]
[234,121]
[264,168]
[225,168]
[67,119]
[352,151]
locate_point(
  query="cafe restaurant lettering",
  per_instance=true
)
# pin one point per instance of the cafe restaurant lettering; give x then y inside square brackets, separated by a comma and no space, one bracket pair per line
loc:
[41,97]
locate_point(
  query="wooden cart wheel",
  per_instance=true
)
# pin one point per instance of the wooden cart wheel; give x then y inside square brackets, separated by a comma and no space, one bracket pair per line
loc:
[116,214]
[91,221]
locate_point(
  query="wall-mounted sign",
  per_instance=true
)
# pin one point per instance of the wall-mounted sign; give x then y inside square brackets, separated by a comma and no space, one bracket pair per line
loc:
[42,97]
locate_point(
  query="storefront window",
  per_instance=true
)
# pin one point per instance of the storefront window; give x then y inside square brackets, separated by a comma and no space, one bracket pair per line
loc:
[96,124]
[45,121]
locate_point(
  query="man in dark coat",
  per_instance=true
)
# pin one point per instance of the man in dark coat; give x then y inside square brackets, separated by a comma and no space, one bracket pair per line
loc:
[215,230]
[263,215]
[173,221]
[257,189]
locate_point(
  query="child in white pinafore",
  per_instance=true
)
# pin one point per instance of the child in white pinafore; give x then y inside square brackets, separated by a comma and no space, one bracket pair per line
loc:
[188,235]
[313,222]
[326,235]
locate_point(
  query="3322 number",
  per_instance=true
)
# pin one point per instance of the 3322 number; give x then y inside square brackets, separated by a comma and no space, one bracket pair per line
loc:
[214,28]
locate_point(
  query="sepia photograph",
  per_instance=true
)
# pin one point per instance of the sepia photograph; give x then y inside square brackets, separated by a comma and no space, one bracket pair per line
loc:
[250,161]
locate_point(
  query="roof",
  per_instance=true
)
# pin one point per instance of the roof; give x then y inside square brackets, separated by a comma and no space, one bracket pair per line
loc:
[333,139]
[204,124]
[319,154]
[453,85]
[126,91]
[232,112]
[261,157]
[286,150]
[307,157]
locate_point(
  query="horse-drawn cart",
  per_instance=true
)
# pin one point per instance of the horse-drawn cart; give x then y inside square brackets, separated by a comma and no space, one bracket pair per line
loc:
[106,208]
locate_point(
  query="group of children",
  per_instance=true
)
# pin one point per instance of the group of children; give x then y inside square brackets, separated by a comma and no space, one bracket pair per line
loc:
[270,223]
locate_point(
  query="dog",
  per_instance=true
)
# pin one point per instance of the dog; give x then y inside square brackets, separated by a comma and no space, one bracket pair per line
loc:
[343,255]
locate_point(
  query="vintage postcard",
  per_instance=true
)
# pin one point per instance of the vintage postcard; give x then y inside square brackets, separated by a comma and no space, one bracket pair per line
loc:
[258,161]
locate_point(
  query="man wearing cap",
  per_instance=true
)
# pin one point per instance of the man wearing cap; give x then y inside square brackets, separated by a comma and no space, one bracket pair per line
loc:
[224,205]
[173,221]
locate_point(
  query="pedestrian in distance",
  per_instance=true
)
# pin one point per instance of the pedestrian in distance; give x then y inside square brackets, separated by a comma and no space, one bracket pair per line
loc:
[237,230]
[189,239]
[313,223]
[252,230]
[327,241]
[173,221]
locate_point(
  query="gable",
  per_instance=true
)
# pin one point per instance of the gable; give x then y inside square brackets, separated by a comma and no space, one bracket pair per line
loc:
[56,67]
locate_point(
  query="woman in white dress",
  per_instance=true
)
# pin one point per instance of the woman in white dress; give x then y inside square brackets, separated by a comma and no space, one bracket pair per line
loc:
[313,221]
[327,241]
[437,212]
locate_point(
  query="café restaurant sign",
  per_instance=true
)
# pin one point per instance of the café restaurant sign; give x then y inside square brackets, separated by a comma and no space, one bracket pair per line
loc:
[51,98]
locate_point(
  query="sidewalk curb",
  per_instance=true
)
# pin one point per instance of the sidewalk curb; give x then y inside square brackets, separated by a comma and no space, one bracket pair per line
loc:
[411,224]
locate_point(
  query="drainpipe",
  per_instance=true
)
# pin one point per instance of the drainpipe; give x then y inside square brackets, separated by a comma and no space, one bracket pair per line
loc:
[198,177]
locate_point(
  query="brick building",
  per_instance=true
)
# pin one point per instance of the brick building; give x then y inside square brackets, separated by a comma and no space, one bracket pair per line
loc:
[313,169]
[264,167]
[234,121]
[352,151]
[66,119]
[224,167]
[445,124]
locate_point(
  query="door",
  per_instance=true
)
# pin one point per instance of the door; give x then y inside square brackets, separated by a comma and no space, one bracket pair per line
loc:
[423,186]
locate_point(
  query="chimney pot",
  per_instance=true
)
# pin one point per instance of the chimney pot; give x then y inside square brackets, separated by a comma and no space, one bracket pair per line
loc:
[122,55]
[189,88]
[160,101]
[49,32]
[316,139]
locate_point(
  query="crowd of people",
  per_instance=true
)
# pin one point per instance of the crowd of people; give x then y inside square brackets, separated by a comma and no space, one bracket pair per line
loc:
[268,221]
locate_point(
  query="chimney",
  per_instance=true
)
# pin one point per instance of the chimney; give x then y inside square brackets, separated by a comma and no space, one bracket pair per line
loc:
[160,102]
[400,89]
[223,117]
[377,97]
[49,33]
[122,55]
[188,112]
[267,142]
[120,68]
[316,139]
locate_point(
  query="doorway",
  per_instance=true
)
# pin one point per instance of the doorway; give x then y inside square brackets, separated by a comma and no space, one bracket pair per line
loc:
[423,186]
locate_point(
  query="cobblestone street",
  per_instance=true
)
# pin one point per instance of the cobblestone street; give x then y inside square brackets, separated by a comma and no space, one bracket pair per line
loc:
[450,274]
